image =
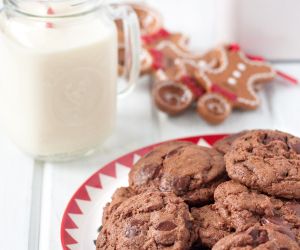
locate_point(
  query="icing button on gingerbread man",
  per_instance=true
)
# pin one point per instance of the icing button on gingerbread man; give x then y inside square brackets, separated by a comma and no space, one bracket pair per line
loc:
[234,78]
[172,98]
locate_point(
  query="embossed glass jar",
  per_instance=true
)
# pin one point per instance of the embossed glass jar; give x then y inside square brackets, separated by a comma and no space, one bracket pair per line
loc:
[59,73]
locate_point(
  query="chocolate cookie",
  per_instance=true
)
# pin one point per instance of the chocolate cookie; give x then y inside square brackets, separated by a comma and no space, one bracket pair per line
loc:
[242,208]
[152,221]
[209,225]
[190,171]
[258,237]
[224,145]
[268,161]
[121,194]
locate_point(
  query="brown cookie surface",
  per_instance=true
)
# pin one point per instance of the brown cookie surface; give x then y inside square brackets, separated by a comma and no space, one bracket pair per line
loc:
[121,194]
[224,145]
[242,208]
[188,170]
[268,161]
[152,221]
[210,226]
[259,238]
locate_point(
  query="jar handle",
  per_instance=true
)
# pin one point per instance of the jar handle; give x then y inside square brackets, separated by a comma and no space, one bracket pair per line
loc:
[132,45]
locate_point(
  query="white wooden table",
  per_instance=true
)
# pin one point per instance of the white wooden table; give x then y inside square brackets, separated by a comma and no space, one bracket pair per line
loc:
[33,195]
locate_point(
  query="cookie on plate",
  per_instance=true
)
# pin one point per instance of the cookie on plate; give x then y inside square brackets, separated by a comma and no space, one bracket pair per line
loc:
[209,225]
[190,171]
[121,194]
[224,145]
[242,208]
[260,238]
[268,161]
[152,221]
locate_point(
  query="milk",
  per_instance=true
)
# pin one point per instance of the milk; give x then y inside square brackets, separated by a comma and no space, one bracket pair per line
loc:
[58,85]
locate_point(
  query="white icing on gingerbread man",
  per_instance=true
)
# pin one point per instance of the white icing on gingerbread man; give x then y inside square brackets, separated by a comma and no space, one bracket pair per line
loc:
[235,77]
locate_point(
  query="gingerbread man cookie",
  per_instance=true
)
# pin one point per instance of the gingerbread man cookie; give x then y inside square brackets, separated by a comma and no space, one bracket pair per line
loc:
[161,45]
[150,22]
[173,66]
[219,81]
[150,19]
[231,82]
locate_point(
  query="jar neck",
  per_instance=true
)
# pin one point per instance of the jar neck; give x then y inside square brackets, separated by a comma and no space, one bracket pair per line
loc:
[52,9]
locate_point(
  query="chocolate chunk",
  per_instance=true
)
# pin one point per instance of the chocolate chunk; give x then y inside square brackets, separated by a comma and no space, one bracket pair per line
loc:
[296,147]
[259,236]
[295,207]
[148,172]
[166,226]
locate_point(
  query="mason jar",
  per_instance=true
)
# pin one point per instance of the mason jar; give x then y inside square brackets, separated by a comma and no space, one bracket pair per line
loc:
[59,73]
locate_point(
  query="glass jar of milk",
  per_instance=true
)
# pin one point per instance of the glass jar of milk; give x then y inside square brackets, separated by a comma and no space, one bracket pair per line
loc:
[59,72]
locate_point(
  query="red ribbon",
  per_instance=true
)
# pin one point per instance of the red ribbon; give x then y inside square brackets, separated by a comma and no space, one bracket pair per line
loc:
[278,72]
[50,11]
[217,89]
[255,58]
[234,47]
[157,57]
[287,77]
[152,38]
[191,83]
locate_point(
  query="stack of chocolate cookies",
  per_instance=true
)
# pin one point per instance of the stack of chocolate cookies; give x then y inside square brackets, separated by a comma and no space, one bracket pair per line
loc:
[242,194]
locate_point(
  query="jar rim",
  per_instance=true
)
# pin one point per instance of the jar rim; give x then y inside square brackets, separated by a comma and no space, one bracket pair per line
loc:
[52,9]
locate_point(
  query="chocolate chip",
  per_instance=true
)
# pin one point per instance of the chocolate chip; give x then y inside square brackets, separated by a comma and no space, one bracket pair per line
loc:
[277,220]
[268,139]
[182,184]
[99,229]
[173,152]
[147,173]
[259,236]
[166,226]
[287,231]
[296,147]
[190,225]
[295,207]
[136,222]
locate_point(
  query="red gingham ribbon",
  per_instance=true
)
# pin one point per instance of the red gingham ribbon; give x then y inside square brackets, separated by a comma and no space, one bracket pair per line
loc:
[152,38]
[191,83]
[217,89]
